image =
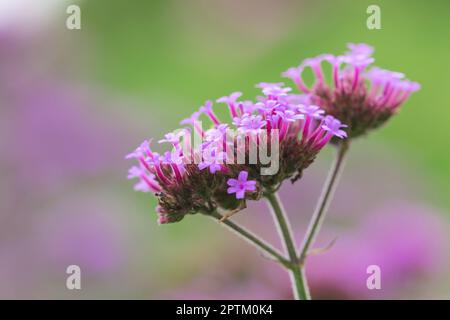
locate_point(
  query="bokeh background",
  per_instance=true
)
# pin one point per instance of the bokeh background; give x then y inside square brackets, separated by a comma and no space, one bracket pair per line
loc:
[74,102]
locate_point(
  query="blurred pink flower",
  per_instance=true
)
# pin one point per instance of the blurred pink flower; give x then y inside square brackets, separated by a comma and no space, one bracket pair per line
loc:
[55,141]
[87,234]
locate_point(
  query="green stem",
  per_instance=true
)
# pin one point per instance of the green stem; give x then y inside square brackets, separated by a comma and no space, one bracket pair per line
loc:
[252,239]
[323,203]
[298,280]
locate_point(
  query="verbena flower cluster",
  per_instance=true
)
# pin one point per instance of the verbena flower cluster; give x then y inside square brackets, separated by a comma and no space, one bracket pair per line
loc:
[359,94]
[203,177]
[267,141]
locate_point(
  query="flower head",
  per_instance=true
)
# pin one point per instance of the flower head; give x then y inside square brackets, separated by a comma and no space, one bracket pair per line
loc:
[214,174]
[361,96]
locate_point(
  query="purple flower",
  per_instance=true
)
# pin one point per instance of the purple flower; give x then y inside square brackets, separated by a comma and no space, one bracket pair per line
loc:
[170,137]
[140,151]
[134,172]
[213,166]
[249,123]
[312,111]
[333,125]
[191,120]
[142,186]
[275,91]
[294,74]
[289,115]
[316,65]
[207,109]
[299,99]
[173,138]
[212,160]
[232,98]
[360,49]
[358,60]
[216,134]
[166,158]
[266,107]
[147,182]
[265,85]
[246,107]
[231,101]
[241,185]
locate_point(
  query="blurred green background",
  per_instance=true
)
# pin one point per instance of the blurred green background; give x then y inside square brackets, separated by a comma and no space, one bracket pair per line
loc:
[134,70]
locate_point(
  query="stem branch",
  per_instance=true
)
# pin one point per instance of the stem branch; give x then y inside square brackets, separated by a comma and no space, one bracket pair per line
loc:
[252,239]
[298,280]
[324,201]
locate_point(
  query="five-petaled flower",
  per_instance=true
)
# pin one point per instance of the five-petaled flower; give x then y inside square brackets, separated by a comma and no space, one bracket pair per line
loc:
[241,185]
